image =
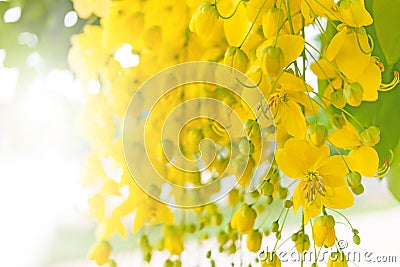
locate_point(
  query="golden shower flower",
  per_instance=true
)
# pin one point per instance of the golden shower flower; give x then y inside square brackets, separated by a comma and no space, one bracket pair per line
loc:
[243,219]
[321,177]
[324,231]
[100,252]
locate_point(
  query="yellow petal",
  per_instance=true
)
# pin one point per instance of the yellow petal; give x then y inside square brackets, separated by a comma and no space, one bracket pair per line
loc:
[338,198]
[370,80]
[292,46]
[365,160]
[335,45]
[236,27]
[323,69]
[292,118]
[333,172]
[290,82]
[345,137]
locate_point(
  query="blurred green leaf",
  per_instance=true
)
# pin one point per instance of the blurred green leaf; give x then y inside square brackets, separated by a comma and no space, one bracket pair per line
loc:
[386,21]
[393,176]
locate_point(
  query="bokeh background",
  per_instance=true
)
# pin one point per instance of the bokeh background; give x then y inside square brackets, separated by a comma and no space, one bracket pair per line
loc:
[44,215]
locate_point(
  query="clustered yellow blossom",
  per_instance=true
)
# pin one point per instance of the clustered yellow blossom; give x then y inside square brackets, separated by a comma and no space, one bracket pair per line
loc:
[265,40]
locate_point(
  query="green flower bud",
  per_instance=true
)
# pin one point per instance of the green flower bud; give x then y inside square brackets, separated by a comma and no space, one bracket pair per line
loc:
[269,200]
[275,226]
[358,190]
[370,136]
[338,120]
[168,263]
[317,134]
[252,129]
[352,179]
[282,193]
[330,221]
[208,255]
[354,93]
[246,147]
[338,98]
[287,204]
[295,236]
[222,237]
[267,188]
[356,239]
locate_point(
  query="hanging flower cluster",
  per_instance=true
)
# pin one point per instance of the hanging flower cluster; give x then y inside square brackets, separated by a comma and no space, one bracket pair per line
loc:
[326,159]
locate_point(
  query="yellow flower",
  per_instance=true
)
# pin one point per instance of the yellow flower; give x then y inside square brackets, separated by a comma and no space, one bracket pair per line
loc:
[349,51]
[237,27]
[324,231]
[362,158]
[271,260]
[286,104]
[100,252]
[354,14]
[337,259]
[321,177]
[204,20]
[85,8]
[253,241]
[291,47]
[243,219]
[323,8]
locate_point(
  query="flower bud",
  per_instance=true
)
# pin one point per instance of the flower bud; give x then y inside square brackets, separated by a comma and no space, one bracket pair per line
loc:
[204,20]
[356,239]
[253,241]
[100,252]
[222,238]
[275,226]
[338,99]
[324,231]
[269,199]
[236,58]
[302,243]
[246,147]
[358,190]
[243,219]
[233,197]
[272,60]
[354,93]
[252,129]
[370,136]
[295,236]
[271,260]
[352,179]
[270,23]
[287,204]
[338,120]
[282,192]
[267,188]
[317,134]
[337,259]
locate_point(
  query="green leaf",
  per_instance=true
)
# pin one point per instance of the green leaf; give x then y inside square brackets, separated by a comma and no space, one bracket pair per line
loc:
[393,177]
[386,22]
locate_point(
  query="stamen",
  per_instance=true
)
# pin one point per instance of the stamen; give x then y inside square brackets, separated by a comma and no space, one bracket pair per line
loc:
[384,87]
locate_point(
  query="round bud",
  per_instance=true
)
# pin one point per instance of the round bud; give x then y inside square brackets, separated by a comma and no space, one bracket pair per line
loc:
[275,226]
[356,239]
[246,147]
[338,99]
[208,255]
[330,221]
[282,193]
[272,60]
[295,236]
[269,200]
[358,190]
[337,120]
[267,188]
[370,136]
[352,179]
[317,134]
[168,263]
[354,93]
[236,58]
[287,204]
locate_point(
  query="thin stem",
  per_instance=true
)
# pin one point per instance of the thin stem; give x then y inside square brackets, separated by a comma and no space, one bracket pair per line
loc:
[253,23]
[231,15]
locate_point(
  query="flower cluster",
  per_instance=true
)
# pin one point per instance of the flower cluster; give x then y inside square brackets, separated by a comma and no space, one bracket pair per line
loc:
[266,40]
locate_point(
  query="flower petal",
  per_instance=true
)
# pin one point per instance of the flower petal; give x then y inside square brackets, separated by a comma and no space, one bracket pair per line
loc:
[338,198]
[333,172]
[365,160]
[345,137]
